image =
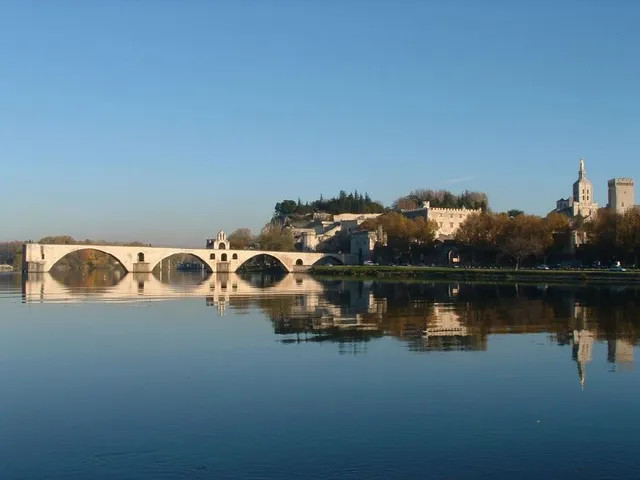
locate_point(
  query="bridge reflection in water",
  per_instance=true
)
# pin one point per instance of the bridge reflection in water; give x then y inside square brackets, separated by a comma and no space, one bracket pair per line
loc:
[424,316]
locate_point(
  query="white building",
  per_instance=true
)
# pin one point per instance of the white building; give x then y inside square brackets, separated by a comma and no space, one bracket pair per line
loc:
[448,219]
[581,201]
[621,194]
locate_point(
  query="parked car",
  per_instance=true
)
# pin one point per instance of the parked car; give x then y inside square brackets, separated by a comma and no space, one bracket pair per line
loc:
[542,267]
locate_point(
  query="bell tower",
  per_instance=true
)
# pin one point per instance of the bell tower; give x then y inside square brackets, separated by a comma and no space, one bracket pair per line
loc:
[582,197]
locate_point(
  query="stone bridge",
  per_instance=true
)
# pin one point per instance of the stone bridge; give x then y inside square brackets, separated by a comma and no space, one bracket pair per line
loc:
[142,259]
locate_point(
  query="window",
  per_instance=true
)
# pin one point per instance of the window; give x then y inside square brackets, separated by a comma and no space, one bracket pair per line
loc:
[460,216]
[141,257]
[451,225]
[623,204]
[234,256]
[212,256]
[451,215]
[224,257]
[299,262]
[440,223]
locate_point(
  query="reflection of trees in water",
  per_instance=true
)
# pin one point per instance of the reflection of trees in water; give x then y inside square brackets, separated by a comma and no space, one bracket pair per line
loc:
[438,316]
[262,280]
[88,280]
[10,281]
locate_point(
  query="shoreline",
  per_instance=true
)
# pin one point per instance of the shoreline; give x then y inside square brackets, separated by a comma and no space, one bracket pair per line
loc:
[479,274]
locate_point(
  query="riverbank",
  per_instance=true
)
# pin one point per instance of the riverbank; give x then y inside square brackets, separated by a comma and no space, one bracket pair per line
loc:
[479,274]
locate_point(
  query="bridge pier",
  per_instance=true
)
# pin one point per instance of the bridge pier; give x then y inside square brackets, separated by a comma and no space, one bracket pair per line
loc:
[33,267]
[142,267]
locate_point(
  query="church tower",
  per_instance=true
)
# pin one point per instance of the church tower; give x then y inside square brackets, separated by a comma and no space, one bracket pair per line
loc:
[582,198]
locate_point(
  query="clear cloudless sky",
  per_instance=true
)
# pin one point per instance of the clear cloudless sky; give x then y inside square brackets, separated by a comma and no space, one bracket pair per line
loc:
[167,120]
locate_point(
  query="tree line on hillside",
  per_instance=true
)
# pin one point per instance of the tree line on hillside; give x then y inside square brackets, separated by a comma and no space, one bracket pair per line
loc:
[344,203]
[442,199]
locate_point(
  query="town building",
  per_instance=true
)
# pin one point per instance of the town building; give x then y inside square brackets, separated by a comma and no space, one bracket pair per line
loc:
[581,202]
[448,219]
[326,232]
[364,242]
[621,195]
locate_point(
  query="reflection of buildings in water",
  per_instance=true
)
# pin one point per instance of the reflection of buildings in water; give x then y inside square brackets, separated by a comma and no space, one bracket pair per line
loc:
[445,330]
[445,322]
[582,351]
[620,352]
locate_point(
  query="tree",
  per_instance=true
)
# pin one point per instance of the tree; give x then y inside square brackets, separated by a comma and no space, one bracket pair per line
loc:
[514,213]
[276,238]
[524,236]
[286,207]
[480,233]
[344,203]
[629,233]
[241,239]
[446,199]
[405,203]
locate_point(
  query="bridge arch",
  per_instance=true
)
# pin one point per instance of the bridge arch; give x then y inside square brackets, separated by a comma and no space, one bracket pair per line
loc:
[55,260]
[206,264]
[281,261]
[328,258]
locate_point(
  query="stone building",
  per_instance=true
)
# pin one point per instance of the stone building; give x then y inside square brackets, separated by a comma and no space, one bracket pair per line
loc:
[320,233]
[364,242]
[218,243]
[448,219]
[621,195]
[581,201]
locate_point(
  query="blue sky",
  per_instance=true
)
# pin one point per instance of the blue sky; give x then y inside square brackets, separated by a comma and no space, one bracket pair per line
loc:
[165,121]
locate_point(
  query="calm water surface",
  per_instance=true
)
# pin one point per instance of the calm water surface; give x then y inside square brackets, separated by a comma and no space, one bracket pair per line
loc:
[187,376]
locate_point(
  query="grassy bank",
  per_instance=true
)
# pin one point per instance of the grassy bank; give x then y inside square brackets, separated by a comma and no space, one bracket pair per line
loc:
[480,274]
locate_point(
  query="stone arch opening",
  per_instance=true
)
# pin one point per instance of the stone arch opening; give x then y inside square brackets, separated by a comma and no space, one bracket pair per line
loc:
[212,256]
[222,246]
[140,257]
[263,262]
[234,256]
[224,256]
[329,260]
[299,262]
[89,258]
[184,262]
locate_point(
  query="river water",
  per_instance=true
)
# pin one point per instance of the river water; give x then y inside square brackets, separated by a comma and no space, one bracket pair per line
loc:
[188,376]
